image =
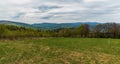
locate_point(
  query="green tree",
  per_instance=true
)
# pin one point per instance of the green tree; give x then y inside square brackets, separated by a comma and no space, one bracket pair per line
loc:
[3,31]
[83,30]
[64,33]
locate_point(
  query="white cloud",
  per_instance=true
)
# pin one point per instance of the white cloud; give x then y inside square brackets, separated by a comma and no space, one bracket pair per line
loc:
[58,11]
[88,1]
[12,2]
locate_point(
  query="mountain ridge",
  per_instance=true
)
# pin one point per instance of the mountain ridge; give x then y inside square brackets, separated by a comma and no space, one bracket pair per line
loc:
[48,26]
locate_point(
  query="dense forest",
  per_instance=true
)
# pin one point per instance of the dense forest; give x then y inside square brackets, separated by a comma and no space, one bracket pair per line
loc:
[107,30]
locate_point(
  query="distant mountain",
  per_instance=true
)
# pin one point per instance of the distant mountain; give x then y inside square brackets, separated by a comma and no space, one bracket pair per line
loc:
[63,25]
[48,26]
[16,24]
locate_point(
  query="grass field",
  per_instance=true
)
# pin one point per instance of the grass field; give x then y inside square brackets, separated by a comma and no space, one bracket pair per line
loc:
[60,51]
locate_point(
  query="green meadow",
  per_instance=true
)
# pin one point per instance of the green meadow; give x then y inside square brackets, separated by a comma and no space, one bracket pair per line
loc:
[60,51]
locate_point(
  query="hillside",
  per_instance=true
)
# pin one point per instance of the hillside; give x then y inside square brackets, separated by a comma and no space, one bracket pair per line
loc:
[48,26]
[16,24]
[63,25]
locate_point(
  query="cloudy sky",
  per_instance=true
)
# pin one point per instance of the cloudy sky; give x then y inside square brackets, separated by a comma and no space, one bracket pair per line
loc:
[60,11]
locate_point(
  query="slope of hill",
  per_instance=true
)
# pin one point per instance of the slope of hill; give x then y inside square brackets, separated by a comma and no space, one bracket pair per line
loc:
[16,24]
[63,25]
[48,26]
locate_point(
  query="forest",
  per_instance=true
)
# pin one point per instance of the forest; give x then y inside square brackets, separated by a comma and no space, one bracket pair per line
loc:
[106,30]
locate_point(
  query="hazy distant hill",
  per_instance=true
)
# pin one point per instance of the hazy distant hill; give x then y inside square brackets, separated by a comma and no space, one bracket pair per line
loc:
[16,23]
[62,25]
[48,26]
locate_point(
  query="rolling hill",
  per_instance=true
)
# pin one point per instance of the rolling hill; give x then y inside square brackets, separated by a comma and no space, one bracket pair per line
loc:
[63,25]
[48,26]
[16,24]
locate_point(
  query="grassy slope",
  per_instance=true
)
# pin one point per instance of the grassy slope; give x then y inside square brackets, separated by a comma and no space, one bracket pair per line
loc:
[60,51]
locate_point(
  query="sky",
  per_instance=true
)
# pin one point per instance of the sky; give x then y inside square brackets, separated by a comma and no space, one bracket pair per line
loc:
[60,11]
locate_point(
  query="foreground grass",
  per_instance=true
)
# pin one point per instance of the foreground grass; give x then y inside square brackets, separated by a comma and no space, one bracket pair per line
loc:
[60,51]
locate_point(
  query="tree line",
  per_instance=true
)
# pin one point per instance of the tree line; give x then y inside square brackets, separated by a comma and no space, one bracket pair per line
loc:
[107,30]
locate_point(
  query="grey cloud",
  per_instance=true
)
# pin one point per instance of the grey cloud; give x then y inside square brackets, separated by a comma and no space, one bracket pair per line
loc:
[18,15]
[45,8]
[60,10]
[47,17]
[65,1]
